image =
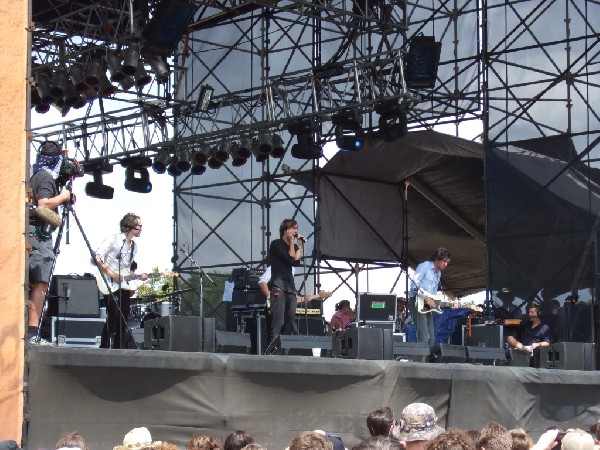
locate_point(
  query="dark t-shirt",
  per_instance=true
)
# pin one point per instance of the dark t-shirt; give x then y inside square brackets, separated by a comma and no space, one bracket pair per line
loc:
[541,333]
[42,186]
[281,266]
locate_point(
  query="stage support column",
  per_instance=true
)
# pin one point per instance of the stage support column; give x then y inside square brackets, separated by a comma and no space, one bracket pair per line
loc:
[14,61]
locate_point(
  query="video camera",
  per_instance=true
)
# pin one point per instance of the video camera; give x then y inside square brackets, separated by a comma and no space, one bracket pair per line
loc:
[70,168]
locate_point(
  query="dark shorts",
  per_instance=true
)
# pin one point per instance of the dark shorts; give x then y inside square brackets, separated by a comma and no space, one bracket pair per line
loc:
[41,257]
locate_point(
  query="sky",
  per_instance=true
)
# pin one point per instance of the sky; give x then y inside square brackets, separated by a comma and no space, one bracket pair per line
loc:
[100,218]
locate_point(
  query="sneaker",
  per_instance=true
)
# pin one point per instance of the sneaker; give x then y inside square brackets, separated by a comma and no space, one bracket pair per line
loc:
[34,340]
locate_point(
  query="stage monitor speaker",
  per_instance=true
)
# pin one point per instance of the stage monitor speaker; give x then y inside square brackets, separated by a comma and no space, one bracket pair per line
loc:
[376,307]
[388,343]
[208,334]
[244,278]
[574,323]
[174,333]
[563,355]
[519,358]
[232,342]
[73,296]
[448,353]
[487,356]
[358,343]
[411,351]
[304,345]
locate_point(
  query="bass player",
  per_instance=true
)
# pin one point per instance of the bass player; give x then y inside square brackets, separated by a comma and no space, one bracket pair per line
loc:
[425,283]
[115,256]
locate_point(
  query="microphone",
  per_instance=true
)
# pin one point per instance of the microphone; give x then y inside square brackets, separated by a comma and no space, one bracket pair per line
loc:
[302,238]
[46,215]
[66,291]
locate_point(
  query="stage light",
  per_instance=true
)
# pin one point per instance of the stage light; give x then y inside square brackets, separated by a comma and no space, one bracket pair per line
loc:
[213,162]
[392,120]
[200,156]
[348,132]
[422,62]
[277,149]
[137,179]
[258,156]
[42,84]
[59,83]
[131,59]
[127,83]
[245,148]
[160,68]
[198,170]
[236,159]
[105,89]
[93,71]
[40,107]
[160,162]
[264,142]
[78,78]
[305,148]
[114,67]
[70,97]
[173,167]
[184,159]
[221,152]
[141,77]
[167,26]
[203,101]
[97,188]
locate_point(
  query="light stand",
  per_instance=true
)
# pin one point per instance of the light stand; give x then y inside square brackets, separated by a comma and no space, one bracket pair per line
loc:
[202,275]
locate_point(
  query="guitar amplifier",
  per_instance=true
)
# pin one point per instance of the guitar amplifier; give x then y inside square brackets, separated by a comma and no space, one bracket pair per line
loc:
[73,331]
[73,296]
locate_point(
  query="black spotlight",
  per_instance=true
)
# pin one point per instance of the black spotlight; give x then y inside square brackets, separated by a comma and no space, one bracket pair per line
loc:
[137,178]
[237,159]
[349,135]
[277,149]
[245,148]
[160,67]
[258,155]
[200,156]
[392,120]
[184,159]
[160,162]
[221,152]
[43,79]
[97,188]
[306,147]
[264,142]
[422,62]
[173,167]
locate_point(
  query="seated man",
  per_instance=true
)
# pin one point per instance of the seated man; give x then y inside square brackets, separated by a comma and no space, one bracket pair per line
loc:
[535,334]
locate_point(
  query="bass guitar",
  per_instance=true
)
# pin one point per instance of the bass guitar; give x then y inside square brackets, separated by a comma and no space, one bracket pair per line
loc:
[127,277]
[440,302]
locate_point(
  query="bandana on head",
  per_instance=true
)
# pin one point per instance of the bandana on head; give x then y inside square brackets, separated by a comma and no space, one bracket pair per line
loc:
[50,164]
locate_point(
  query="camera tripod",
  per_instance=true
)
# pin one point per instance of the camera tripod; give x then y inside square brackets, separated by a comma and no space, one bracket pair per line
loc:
[123,328]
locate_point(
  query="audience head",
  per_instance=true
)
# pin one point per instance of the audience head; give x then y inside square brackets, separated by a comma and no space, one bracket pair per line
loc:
[595,429]
[254,447]
[380,421]
[494,437]
[137,439]
[520,439]
[418,423]
[310,440]
[237,439]
[380,443]
[71,439]
[451,439]
[203,442]
[577,440]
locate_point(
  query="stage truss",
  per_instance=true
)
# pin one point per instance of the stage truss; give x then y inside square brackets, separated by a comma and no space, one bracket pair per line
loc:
[271,63]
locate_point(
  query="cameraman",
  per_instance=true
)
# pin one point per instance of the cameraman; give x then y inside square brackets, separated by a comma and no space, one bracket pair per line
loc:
[45,192]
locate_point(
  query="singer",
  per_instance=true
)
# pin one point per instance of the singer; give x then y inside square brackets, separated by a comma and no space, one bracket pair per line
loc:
[115,258]
[45,192]
[284,253]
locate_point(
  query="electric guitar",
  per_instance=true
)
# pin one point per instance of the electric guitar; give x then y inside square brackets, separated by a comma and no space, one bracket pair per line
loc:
[440,302]
[323,295]
[127,276]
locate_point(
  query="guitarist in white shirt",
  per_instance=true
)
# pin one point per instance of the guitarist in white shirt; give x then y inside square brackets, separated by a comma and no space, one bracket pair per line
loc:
[114,257]
[425,282]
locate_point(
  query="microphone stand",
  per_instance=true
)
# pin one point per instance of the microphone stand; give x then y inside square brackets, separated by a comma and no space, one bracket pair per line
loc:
[202,275]
[304,283]
[121,320]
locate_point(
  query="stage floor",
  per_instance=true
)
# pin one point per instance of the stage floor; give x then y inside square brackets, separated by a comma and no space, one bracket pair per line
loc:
[105,393]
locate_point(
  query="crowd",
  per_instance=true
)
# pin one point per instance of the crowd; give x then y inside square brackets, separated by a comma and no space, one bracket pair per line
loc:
[417,429]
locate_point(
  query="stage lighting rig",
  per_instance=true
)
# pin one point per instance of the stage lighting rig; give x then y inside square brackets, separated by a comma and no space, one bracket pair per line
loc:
[97,188]
[203,101]
[160,162]
[137,178]
[349,135]
[392,120]
[306,147]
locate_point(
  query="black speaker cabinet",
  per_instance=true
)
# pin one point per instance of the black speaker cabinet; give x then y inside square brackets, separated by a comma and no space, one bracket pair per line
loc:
[448,353]
[484,336]
[574,323]
[208,334]
[175,333]
[519,358]
[563,355]
[487,356]
[358,343]
[316,327]
[232,342]
[73,296]
[303,345]
[411,351]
